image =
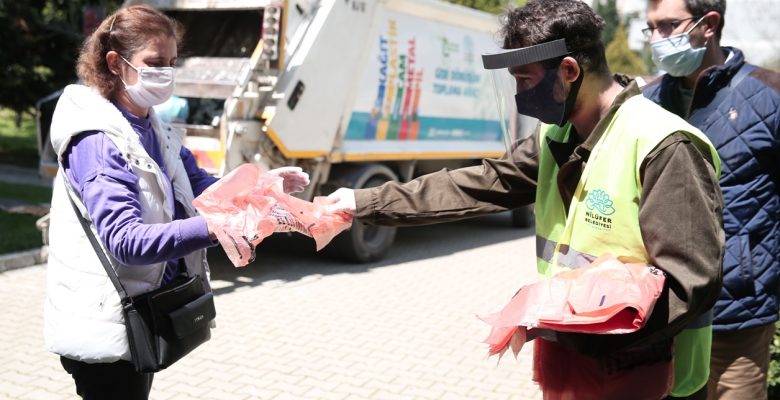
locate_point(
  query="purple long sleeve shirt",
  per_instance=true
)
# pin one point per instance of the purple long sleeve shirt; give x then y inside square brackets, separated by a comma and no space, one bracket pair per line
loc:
[108,187]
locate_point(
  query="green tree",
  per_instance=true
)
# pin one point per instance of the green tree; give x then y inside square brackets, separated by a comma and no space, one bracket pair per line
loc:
[491,6]
[620,58]
[607,9]
[40,42]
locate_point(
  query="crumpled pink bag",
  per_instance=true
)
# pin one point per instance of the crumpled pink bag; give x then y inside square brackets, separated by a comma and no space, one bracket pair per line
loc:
[248,205]
[605,297]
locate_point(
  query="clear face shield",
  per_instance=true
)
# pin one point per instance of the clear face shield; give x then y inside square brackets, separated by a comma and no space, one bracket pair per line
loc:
[529,89]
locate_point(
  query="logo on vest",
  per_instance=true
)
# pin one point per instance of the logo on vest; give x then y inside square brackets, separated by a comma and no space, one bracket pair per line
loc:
[600,207]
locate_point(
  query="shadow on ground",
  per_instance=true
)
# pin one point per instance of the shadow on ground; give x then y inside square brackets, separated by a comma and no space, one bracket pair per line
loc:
[287,258]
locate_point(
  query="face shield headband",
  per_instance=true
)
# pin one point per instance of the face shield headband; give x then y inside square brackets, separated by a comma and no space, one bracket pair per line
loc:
[538,101]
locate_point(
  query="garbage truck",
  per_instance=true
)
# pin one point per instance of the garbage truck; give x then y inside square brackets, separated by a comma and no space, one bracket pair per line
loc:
[356,92]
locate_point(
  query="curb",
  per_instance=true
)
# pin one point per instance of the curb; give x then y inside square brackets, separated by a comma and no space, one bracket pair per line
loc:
[23,259]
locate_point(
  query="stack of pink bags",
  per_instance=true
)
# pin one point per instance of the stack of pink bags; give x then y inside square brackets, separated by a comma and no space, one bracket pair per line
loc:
[607,296]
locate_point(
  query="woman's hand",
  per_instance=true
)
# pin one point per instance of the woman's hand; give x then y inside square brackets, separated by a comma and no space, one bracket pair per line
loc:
[295,180]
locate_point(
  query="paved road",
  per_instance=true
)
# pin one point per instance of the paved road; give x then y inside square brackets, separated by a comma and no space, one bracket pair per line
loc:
[298,325]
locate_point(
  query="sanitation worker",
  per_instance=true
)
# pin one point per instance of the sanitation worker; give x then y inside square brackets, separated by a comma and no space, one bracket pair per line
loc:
[609,172]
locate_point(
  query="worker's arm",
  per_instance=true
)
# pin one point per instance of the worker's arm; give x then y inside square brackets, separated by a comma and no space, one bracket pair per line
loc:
[681,218]
[447,195]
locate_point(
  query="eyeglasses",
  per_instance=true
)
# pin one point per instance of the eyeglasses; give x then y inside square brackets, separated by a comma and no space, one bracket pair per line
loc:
[665,28]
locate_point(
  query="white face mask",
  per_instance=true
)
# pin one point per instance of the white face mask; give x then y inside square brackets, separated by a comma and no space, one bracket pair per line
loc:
[675,54]
[154,85]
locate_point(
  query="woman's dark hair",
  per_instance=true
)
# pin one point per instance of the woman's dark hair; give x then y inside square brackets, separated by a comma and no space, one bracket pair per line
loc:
[126,32]
[541,21]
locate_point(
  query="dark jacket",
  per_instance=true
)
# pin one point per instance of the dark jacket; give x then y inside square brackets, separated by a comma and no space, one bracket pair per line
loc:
[743,122]
[674,209]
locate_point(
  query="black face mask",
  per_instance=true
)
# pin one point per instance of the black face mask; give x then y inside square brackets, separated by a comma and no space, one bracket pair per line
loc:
[539,102]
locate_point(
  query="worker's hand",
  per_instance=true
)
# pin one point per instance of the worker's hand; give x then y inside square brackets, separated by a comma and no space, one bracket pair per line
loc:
[342,200]
[295,180]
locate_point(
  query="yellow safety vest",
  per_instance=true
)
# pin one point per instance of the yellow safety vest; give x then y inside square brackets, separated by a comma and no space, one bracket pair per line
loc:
[603,216]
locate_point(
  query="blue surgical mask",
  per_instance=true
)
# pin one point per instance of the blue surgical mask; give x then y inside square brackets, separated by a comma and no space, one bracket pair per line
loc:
[675,55]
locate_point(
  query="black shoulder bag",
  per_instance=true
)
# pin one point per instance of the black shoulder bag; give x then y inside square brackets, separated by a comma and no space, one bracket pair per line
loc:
[165,324]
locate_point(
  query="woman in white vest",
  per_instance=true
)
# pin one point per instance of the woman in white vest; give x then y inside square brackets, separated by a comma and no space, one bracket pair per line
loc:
[135,182]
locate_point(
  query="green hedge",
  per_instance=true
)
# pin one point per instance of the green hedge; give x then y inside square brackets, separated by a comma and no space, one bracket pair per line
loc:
[19,233]
[774,365]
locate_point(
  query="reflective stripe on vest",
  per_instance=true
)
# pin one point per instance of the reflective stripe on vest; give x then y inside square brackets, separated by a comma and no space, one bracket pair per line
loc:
[603,216]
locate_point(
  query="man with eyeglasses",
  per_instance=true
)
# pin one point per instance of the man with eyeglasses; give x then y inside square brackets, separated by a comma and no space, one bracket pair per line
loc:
[736,105]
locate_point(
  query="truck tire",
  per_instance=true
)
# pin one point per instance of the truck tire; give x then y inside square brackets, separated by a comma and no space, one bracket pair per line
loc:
[365,243]
[523,217]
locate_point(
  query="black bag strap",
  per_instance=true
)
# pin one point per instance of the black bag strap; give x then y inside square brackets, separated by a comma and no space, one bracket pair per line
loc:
[104,259]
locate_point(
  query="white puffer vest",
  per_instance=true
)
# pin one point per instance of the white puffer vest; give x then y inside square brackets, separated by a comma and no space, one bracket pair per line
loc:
[82,314]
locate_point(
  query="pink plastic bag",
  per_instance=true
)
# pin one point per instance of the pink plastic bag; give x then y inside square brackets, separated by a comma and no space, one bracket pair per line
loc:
[607,296]
[248,205]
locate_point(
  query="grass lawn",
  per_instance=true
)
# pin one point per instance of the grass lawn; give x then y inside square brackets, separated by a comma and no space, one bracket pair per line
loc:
[18,146]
